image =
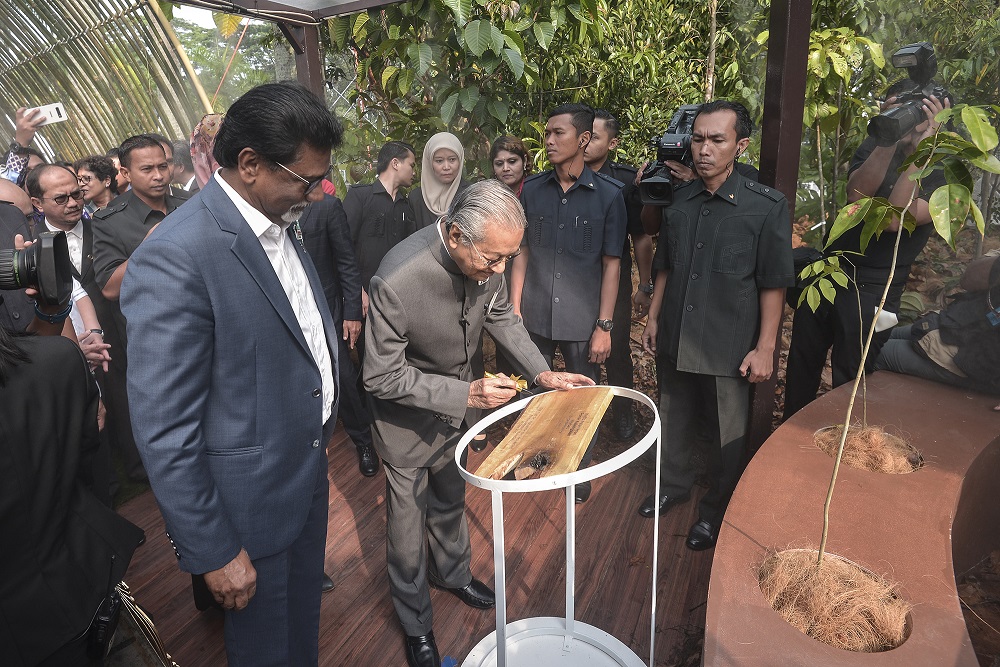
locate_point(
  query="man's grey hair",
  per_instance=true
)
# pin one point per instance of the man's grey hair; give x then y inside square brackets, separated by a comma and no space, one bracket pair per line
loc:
[484,205]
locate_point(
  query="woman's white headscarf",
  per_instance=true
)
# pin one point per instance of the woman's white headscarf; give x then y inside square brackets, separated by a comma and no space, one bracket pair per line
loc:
[438,196]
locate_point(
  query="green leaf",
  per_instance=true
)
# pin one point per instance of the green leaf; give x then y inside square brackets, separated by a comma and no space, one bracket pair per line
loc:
[983,135]
[387,75]
[404,81]
[848,218]
[449,108]
[337,26]
[876,221]
[420,55]
[812,297]
[977,215]
[514,40]
[514,62]
[544,32]
[955,171]
[478,37]
[496,39]
[987,163]
[499,110]
[167,8]
[358,29]
[468,98]
[949,206]
[827,290]
[461,9]
[839,277]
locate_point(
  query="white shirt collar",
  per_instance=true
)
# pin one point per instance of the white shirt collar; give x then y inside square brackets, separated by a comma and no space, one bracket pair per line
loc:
[258,221]
[77,230]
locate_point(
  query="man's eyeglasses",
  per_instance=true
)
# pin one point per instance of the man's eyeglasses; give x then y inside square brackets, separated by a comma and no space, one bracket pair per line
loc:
[310,185]
[490,263]
[62,199]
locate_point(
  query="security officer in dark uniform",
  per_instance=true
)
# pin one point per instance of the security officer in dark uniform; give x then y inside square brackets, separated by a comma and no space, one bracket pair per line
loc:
[118,230]
[619,366]
[380,216]
[564,284]
[722,265]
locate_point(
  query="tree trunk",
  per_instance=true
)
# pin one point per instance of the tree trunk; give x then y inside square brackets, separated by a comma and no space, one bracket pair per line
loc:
[837,146]
[713,35]
[822,185]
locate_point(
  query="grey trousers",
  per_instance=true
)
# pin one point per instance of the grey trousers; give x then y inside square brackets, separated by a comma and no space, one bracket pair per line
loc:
[898,356]
[425,509]
[690,402]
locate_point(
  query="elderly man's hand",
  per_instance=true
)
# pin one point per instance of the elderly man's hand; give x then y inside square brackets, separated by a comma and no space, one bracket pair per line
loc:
[491,392]
[554,380]
[234,583]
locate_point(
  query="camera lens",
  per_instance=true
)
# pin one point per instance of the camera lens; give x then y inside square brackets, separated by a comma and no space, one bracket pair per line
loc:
[889,127]
[18,268]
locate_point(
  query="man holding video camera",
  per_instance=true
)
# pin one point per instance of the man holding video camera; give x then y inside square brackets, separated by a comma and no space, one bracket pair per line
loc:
[874,172]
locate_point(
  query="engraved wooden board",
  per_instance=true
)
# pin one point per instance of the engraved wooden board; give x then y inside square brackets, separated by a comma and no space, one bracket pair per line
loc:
[551,435]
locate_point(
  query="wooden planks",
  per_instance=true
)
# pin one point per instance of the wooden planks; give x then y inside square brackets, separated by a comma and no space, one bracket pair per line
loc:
[550,436]
[358,623]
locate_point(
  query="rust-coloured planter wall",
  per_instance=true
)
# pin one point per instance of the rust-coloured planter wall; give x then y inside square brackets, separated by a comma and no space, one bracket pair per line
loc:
[916,529]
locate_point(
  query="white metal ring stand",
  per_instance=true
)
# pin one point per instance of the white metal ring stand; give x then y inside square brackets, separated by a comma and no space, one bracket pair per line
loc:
[550,641]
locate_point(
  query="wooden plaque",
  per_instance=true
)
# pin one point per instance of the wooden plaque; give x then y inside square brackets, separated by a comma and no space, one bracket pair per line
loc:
[551,435]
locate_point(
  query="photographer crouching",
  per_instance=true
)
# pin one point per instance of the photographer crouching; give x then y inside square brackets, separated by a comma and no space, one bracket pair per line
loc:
[906,119]
[64,551]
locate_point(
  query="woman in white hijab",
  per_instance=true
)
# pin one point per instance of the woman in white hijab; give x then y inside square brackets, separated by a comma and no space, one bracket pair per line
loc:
[441,167]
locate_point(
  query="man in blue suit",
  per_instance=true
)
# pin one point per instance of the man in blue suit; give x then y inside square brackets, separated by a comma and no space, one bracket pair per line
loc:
[232,376]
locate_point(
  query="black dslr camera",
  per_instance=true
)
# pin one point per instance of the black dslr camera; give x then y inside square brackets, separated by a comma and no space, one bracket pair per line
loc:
[656,187]
[921,65]
[44,265]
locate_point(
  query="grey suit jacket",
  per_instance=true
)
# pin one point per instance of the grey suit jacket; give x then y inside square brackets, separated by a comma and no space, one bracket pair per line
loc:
[225,396]
[425,321]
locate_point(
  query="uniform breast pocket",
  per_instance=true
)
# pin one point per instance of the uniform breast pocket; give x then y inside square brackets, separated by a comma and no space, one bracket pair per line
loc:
[677,241]
[583,236]
[377,226]
[733,253]
[540,230]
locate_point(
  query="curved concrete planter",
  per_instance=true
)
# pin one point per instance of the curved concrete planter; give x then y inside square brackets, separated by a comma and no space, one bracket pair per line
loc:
[918,529]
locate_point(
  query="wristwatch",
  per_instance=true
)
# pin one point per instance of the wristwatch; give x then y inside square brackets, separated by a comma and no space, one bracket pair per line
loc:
[646,287]
[606,325]
[16,148]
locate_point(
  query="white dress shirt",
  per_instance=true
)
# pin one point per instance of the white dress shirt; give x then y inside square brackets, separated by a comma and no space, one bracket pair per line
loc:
[74,239]
[292,276]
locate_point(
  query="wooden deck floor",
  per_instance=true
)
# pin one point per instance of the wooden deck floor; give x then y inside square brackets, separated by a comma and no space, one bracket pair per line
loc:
[358,624]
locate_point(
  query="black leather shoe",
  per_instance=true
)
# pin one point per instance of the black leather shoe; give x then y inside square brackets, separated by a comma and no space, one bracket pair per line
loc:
[649,506]
[625,424]
[327,583]
[367,460]
[475,594]
[421,651]
[702,536]
[582,492]
[478,444]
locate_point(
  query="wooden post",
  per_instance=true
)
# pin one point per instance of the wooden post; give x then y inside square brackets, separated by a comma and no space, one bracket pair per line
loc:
[308,59]
[781,135]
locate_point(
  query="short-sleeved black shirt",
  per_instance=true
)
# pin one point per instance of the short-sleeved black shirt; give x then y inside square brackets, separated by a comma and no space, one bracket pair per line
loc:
[719,251]
[878,254]
[568,235]
[121,226]
[377,223]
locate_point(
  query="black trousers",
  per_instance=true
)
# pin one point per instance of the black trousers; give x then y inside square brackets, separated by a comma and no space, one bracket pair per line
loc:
[353,404]
[839,328]
[619,366]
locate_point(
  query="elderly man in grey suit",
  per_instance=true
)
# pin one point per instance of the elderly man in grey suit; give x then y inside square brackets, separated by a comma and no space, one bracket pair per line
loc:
[430,300]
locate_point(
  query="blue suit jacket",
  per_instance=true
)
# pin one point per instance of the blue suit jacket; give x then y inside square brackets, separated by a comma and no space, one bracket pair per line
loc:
[224,393]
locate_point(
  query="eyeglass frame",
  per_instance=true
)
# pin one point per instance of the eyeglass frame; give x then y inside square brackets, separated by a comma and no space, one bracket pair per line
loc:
[490,263]
[76,195]
[310,185]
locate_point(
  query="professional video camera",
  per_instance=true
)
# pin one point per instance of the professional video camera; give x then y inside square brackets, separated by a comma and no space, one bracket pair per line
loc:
[656,187]
[921,65]
[44,265]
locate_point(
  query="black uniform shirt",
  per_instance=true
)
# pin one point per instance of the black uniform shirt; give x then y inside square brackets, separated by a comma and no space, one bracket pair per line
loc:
[719,251]
[377,223]
[568,235]
[633,208]
[121,226]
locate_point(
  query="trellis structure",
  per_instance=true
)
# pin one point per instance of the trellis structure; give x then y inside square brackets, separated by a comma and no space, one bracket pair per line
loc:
[116,65]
